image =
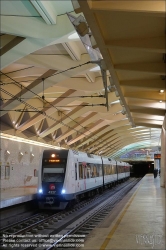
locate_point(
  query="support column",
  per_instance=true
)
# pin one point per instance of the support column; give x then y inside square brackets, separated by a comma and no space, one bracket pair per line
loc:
[163,155]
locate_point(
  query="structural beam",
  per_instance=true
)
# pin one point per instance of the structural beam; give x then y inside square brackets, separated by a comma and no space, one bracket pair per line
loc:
[155,8]
[47,111]
[34,25]
[153,44]
[151,68]
[91,129]
[144,84]
[82,123]
[34,87]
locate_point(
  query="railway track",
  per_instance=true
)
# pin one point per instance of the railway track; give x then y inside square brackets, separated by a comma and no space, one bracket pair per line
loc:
[69,240]
[47,231]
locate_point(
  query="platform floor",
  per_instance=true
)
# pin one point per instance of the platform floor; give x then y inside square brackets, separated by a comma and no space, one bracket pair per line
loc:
[13,196]
[137,222]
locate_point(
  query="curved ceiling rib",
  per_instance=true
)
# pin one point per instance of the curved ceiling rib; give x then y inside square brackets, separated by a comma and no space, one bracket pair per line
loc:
[69,109]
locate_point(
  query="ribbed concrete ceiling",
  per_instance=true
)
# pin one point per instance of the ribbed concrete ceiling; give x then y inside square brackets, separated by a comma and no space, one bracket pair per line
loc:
[50,92]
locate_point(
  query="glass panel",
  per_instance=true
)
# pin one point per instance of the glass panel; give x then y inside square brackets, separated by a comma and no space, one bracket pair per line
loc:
[80,171]
[53,170]
[75,171]
[53,165]
[53,174]
[84,171]
[88,171]
[100,170]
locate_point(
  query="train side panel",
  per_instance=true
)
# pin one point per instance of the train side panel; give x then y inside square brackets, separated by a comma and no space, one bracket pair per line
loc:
[88,172]
[69,181]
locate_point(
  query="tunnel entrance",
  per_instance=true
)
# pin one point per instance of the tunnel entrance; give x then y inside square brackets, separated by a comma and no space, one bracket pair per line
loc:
[139,169]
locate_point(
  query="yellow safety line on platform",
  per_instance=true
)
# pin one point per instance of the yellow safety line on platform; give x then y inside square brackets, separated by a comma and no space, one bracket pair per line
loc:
[109,236]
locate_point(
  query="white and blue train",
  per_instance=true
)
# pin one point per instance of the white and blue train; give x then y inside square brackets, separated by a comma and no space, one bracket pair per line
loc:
[67,175]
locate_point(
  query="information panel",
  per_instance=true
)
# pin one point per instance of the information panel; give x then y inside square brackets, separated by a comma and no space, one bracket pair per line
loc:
[157,156]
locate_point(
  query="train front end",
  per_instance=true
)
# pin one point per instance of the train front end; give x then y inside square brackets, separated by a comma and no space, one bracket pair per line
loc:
[51,191]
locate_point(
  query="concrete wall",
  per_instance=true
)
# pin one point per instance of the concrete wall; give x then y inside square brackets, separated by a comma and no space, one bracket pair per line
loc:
[16,168]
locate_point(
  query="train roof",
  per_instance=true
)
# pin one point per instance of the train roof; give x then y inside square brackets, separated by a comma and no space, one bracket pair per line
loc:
[64,153]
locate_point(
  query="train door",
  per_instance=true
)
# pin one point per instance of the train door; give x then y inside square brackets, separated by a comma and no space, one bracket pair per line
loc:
[125,170]
[117,170]
[102,164]
[76,175]
[84,165]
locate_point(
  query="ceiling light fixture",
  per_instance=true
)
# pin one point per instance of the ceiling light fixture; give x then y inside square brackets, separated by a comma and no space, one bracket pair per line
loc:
[161,90]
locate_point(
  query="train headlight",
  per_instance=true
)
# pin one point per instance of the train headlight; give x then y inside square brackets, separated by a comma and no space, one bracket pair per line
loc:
[63,191]
[40,191]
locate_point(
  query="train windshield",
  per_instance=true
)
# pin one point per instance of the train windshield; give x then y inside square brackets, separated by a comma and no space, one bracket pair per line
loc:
[53,174]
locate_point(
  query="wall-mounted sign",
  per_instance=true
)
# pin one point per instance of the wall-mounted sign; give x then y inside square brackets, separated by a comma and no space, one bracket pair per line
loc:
[157,156]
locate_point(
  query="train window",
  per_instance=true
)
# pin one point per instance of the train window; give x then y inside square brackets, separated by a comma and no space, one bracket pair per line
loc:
[111,169]
[114,169]
[88,171]
[92,170]
[75,171]
[108,170]
[80,171]
[84,171]
[105,170]
[100,170]
[53,170]
[54,165]
[53,175]
[97,170]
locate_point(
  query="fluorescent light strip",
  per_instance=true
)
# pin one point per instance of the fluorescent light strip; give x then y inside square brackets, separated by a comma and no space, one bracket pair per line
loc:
[19,139]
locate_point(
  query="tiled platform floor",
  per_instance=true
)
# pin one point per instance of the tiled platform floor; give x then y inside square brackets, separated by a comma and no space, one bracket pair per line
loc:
[137,223]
